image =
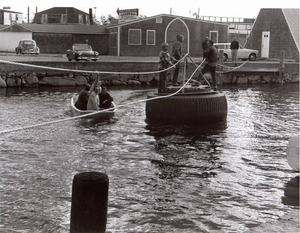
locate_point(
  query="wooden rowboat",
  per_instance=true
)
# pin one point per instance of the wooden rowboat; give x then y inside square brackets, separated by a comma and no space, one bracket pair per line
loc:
[104,114]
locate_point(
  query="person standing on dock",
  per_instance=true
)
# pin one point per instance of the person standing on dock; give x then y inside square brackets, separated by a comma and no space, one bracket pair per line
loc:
[211,55]
[234,46]
[165,61]
[177,54]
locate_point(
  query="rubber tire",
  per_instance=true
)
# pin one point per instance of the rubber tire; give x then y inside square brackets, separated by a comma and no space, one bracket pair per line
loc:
[188,109]
[225,57]
[252,57]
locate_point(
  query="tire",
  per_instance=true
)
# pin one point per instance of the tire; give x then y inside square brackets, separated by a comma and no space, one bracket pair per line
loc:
[188,109]
[225,57]
[252,57]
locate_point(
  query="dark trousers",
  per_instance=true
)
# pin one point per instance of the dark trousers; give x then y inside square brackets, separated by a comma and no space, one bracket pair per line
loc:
[212,70]
[162,81]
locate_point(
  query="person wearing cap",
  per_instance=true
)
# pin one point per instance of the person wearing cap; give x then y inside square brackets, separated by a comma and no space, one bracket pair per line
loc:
[177,54]
[83,98]
[165,61]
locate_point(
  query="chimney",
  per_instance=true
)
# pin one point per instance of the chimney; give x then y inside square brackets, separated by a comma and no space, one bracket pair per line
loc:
[91,16]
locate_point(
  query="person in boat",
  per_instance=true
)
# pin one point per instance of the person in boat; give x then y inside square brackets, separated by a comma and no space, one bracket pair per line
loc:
[83,98]
[165,61]
[94,102]
[204,45]
[177,54]
[211,55]
[105,98]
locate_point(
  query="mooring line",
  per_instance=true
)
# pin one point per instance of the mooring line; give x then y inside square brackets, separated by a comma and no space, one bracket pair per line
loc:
[104,110]
[87,71]
[229,67]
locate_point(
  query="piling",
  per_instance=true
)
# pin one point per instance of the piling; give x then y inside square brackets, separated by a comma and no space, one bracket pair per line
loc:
[221,55]
[89,203]
[281,66]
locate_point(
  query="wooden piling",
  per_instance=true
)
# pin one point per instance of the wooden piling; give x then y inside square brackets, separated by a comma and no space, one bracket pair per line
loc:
[281,66]
[221,60]
[89,203]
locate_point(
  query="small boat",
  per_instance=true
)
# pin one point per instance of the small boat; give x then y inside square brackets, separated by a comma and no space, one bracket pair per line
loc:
[104,114]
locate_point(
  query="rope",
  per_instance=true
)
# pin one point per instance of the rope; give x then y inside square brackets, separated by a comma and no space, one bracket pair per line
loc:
[229,67]
[86,71]
[104,110]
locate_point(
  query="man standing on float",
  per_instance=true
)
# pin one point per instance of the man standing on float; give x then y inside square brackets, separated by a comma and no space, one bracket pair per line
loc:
[211,55]
[177,54]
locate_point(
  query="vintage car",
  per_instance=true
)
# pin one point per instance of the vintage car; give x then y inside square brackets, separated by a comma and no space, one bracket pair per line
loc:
[82,52]
[242,53]
[27,46]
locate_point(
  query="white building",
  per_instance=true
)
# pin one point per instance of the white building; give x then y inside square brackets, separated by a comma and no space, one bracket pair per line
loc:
[8,17]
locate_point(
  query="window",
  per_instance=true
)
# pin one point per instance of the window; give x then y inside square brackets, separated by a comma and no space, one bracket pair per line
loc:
[135,37]
[87,19]
[159,20]
[80,19]
[150,37]
[44,18]
[63,19]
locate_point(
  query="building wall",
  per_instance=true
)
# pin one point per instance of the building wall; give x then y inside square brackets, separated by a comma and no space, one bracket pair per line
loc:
[55,43]
[198,30]
[281,39]
[9,18]
[10,40]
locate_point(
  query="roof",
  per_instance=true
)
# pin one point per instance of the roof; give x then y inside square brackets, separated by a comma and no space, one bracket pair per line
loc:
[163,15]
[62,10]
[292,19]
[10,11]
[64,28]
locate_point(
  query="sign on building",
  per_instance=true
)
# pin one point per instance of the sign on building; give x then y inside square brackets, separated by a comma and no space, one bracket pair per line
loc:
[127,15]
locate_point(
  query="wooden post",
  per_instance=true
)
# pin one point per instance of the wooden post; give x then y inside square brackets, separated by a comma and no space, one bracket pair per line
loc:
[89,203]
[281,66]
[184,73]
[221,59]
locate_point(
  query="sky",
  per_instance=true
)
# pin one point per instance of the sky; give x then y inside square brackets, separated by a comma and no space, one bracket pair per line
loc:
[186,8]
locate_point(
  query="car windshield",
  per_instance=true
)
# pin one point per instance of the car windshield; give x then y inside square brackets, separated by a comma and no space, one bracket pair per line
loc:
[82,47]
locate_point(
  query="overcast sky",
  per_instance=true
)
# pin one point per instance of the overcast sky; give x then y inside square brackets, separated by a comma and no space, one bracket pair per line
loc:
[222,8]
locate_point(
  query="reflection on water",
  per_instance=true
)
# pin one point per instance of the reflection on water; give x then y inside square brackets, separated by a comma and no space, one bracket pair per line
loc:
[225,177]
[291,192]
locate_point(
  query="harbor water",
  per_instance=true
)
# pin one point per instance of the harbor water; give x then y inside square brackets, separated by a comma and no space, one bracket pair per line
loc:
[225,177]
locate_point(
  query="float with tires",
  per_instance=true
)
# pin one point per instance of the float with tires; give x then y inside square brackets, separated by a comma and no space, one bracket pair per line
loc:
[192,105]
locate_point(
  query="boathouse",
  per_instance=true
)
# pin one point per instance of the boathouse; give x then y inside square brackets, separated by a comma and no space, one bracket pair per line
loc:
[54,39]
[274,31]
[143,37]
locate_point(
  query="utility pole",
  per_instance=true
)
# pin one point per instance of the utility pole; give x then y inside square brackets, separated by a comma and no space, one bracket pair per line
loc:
[28,14]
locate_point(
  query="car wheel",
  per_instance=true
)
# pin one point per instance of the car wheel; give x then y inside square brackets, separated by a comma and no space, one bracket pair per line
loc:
[225,57]
[252,57]
[76,57]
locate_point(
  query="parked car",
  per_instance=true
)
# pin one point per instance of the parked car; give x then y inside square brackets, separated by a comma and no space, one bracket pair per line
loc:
[27,46]
[82,52]
[242,53]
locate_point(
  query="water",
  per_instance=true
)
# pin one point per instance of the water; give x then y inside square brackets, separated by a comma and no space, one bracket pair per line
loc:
[224,177]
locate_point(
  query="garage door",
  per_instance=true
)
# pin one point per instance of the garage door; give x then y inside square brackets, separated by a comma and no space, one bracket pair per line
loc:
[10,40]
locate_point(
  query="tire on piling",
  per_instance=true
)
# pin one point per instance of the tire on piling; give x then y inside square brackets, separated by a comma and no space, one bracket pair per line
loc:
[188,108]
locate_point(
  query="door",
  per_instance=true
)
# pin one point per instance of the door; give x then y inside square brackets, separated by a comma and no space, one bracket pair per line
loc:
[214,36]
[265,44]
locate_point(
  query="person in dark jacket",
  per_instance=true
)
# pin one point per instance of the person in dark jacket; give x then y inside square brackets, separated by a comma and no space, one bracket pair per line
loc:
[234,46]
[105,98]
[211,54]
[83,98]
[177,55]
